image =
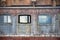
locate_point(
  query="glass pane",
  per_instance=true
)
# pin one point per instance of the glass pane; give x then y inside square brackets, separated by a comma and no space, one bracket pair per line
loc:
[23,19]
[5,19]
[44,19]
[9,19]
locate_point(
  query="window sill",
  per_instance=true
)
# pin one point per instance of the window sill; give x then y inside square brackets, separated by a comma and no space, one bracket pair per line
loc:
[30,35]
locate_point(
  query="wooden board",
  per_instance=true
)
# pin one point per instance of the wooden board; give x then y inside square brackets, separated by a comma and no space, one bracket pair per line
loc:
[44,2]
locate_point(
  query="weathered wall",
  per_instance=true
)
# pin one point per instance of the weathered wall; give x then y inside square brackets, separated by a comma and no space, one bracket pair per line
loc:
[32,27]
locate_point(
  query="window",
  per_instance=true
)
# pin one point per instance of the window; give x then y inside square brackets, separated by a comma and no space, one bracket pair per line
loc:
[44,19]
[24,18]
[44,22]
[5,19]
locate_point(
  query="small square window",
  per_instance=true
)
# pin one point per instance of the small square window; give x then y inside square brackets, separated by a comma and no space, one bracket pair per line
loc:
[24,19]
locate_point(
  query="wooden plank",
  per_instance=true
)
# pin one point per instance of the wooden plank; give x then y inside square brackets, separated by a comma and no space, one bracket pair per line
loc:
[44,2]
[57,2]
[18,2]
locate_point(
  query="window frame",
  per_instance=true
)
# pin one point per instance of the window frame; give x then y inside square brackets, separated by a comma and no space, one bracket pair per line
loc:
[28,21]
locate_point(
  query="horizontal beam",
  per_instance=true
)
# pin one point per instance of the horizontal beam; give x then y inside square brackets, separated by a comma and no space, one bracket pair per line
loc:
[30,35]
[30,7]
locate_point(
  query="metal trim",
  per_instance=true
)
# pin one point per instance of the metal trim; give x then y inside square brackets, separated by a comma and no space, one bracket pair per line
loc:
[30,7]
